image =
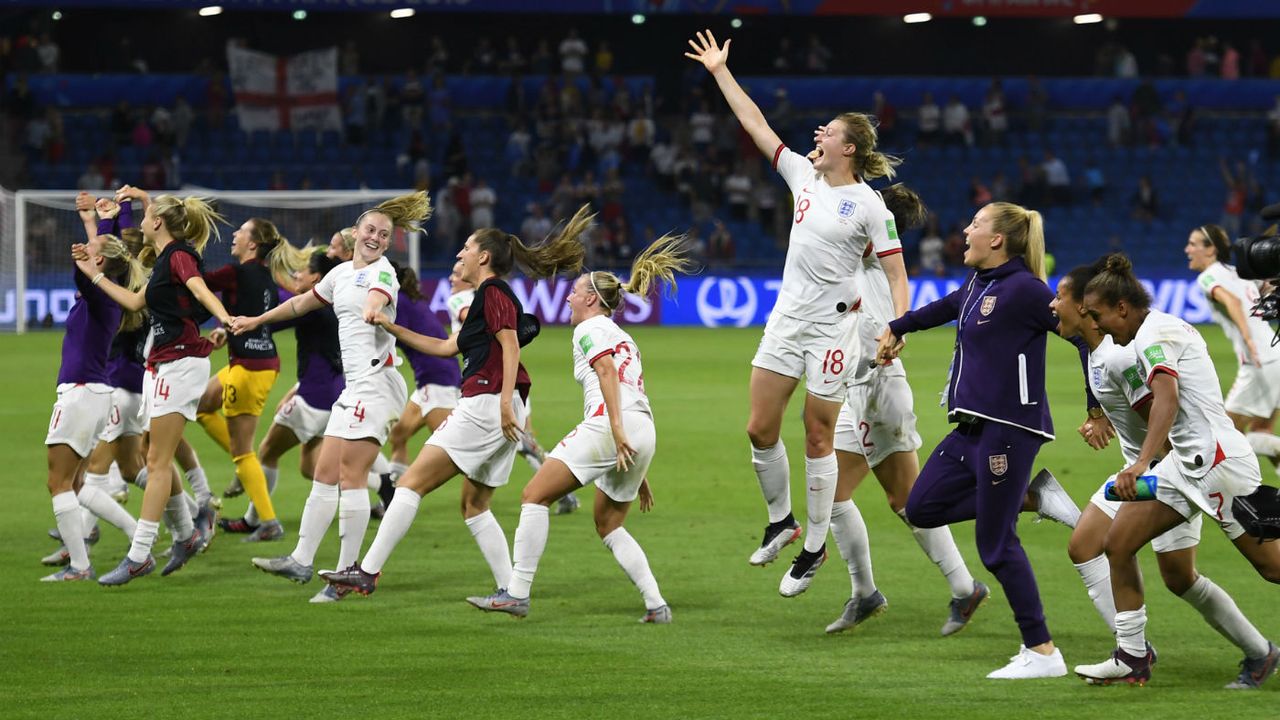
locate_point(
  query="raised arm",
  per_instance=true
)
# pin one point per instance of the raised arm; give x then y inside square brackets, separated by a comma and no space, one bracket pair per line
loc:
[131,301]
[715,59]
[88,218]
[206,298]
[294,307]
[1235,311]
[439,347]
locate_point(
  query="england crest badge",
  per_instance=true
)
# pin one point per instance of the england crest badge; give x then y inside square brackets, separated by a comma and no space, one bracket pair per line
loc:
[846,208]
[999,465]
[988,306]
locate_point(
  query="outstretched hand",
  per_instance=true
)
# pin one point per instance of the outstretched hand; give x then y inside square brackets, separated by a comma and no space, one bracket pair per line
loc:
[708,52]
[889,346]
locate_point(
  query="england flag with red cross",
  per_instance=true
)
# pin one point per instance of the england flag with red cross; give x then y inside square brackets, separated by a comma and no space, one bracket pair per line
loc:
[285,93]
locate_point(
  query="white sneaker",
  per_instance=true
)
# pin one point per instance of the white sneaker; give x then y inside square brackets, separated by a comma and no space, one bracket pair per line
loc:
[776,536]
[1031,664]
[1055,503]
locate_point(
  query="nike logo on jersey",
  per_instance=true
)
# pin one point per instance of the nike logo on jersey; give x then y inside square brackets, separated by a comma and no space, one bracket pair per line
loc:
[983,322]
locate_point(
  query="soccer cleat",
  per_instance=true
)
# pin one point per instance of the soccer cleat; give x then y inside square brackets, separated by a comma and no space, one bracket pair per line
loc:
[501,601]
[120,494]
[234,489]
[386,490]
[59,557]
[1029,664]
[128,570]
[962,609]
[182,553]
[69,574]
[1255,671]
[206,525]
[286,567]
[93,538]
[1121,667]
[776,536]
[378,511]
[567,504]
[857,611]
[352,579]
[796,580]
[268,531]
[1055,503]
[329,594]
[531,450]
[658,616]
[236,526]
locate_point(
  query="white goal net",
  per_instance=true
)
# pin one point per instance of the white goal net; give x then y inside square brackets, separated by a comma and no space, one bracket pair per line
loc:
[37,227]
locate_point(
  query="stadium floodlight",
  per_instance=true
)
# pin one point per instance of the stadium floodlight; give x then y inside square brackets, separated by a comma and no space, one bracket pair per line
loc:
[735,23]
[1087,19]
[637,19]
[57,15]
[299,14]
[399,13]
[913,18]
[979,21]
[210,10]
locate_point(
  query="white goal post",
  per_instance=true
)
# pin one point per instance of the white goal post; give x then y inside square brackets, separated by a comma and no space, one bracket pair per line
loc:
[37,227]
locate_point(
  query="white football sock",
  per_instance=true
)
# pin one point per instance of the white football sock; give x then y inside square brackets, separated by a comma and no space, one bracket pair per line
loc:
[1222,614]
[850,533]
[353,520]
[113,474]
[531,542]
[100,504]
[317,515]
[1096,576]
[1131,626]
[395,523]
[193,506]
[199,485]
[632,559]
[88,521]
[177,517]
[144,537]
[820,483]
[493,545]
[66,513]
[774,474]
[398,469]
[940,547]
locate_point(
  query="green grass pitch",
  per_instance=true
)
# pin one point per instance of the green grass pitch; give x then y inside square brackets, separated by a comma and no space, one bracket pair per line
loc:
[220,639]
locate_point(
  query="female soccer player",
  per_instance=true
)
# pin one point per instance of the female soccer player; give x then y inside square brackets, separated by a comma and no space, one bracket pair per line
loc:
[981,471]
[480,437]
[812,330]
[1209,465]
[236,396]
[84,395]
[876,432]
[1125,399]
[437,379]
[612,446]
[303,416]
[359,292]
[1255,395]
[176,297]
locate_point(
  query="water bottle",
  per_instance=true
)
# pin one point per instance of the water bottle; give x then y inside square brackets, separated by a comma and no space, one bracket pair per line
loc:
[1146,487]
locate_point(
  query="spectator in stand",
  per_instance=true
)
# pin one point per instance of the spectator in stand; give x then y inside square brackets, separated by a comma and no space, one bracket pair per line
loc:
[1037,104]
[564,197]
[462,201]
[604,58]
[587,192]
[572,51]
[613,190]
[1237,192]
[91,179]
[517,152]
[484,60]
[1257,66]
[956,128]
[412,98]
[536,226]
[1118,125]
[766,202]
[953,248]
[1095,181]
[641,133]
[979,194]
[541,60]
[1146,107]
[737,192]
[438,57]
[1230,62]
[1182,115]
[1056,178]
[48,53]
[928,121]
[1212,60]
[995,119]
[1031,188]
[38,132]
[932,260]
[142,135]
[1196,59]
[1273,130]
[720,249]
[448,222]
[702,126]
[513,61]
[663,159]
[183,116]
[886,117]
[817,56]
[1145,202]
[1126,64]
[782,59]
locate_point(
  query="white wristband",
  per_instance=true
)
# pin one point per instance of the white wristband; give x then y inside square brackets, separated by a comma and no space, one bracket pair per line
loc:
[98,278]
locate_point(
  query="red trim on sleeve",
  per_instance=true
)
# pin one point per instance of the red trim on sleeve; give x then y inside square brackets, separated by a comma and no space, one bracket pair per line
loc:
[1143,400]
[1161,369]
[320,297]
[777,154]
[887,253]
[602,353]
[390,300]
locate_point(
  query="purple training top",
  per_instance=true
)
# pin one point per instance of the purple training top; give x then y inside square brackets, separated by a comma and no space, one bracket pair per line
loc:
[125,362]
[91,325]
[416,315]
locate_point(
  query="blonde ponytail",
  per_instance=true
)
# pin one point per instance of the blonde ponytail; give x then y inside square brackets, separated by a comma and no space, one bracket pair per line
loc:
[1023,232]
[656,264]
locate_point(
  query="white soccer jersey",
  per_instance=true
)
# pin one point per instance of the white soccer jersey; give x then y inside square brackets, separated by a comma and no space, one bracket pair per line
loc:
[830,229]
[1222,276]
[1117,383]
[600,336]
[458,302]
[1166,344]
[877,305]
[365,348]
